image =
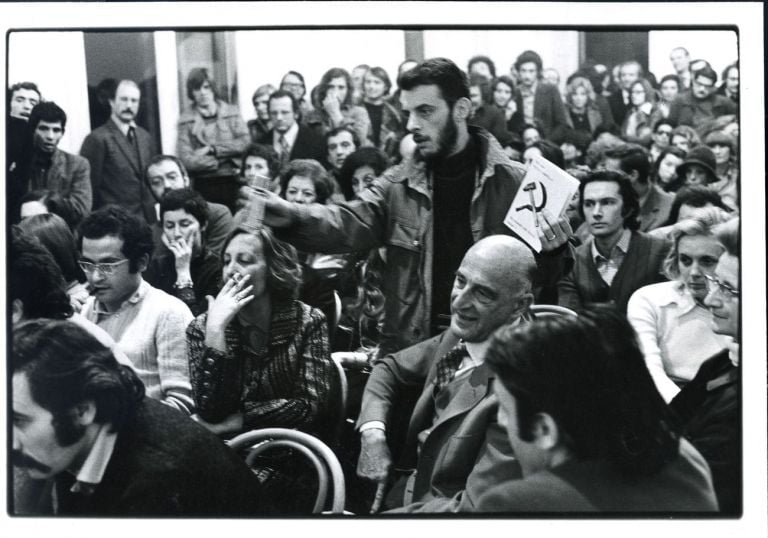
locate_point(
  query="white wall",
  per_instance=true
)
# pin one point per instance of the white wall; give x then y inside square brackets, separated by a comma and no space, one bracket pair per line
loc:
[55,61]
[558,49]
[167,89]
[718,47]
[264,56]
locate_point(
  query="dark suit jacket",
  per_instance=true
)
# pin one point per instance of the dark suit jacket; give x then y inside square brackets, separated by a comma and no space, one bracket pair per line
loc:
[655,210]
[642,266]
[163,464]
[548,109]
[117,176]
[69,177]
[466,450]
[683,485]
[308,145]
[710,411]
[619,109]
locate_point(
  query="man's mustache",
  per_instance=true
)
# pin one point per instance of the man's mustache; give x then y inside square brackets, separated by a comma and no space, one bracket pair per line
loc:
[19,459]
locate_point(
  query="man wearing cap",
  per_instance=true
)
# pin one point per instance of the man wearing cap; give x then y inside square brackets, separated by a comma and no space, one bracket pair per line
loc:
[700,104]
[699,168]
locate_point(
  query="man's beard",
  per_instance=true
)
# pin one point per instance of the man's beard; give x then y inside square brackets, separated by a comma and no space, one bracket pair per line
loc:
[445,143]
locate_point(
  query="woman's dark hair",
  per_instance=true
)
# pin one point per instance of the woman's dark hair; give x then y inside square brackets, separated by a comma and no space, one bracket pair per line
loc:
[267,153]
[443,73]
[482,59]
[328,76]
[54,234]
[526,57]
[311,169]
[35,279]
[674,185]
[503,79]
[115,220]
[66,366]
[694,196]
[284,271]
[368,156]
[381,74]
[589,374]
[195,80]
[187,199]
[630,202]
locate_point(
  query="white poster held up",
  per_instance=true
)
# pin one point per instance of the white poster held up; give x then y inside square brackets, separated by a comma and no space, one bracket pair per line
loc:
[544,186]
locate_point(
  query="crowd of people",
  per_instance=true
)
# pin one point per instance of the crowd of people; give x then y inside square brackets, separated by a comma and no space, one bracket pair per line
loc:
[163,304]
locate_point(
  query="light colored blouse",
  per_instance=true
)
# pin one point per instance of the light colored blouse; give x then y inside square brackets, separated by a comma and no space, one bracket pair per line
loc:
[675,334]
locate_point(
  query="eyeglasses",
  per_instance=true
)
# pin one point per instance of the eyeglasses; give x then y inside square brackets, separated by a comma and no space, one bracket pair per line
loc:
[713,285]
[666,133]
[105,269]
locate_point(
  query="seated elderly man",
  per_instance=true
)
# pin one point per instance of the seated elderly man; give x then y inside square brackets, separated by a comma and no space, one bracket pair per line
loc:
[147,323]
[587,424]
[91,443]
[454,445]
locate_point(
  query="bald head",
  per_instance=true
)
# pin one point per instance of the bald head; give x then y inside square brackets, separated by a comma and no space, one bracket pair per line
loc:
[492,287]
[125,104]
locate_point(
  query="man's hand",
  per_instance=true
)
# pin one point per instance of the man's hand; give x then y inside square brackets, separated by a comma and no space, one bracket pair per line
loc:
[278,213]
[375,462]
[205,150]
[552,233]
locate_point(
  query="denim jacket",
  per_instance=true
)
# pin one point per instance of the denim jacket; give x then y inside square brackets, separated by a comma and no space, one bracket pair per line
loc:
[396,212]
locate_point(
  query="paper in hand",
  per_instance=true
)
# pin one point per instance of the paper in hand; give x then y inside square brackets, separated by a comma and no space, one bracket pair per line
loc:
[544,186]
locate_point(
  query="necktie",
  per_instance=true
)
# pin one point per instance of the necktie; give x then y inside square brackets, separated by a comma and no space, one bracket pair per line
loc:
[448,364]
[134,144]
[285,150]
[132,135]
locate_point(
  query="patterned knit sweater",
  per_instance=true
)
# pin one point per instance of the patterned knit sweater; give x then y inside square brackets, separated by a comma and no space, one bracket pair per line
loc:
[289,383]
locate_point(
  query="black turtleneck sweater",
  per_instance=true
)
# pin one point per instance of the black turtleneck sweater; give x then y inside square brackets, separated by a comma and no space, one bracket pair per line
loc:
[453,185]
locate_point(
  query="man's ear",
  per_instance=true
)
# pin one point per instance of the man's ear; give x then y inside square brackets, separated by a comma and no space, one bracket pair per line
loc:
[523,304]
[546,433]
[84,413]
[17,311]
[633,175]
[143,263]
[462,109]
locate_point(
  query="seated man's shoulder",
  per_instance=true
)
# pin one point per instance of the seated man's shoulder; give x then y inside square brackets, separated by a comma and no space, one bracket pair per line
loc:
[166,305]
[541,492]
[218,211]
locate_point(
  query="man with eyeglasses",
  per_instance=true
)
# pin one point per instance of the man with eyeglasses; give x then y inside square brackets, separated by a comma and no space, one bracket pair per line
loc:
[148,324]
[700,104]
[708,406]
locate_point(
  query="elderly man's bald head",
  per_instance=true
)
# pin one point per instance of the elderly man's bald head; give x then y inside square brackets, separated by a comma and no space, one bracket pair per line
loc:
[492,287]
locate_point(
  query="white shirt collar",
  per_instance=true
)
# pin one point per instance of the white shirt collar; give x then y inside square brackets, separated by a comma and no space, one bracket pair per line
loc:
[92,471]
[290,135]
[123,126]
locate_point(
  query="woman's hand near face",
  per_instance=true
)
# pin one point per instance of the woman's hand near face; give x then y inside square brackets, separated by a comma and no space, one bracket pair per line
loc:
[332,106]
[234,295]
[182,253]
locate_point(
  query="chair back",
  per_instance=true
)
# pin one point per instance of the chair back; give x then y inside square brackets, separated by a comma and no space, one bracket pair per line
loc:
[544,310]
[343,392]
[321,456]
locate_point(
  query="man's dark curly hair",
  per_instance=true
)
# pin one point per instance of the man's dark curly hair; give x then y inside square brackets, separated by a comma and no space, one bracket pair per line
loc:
[114,220]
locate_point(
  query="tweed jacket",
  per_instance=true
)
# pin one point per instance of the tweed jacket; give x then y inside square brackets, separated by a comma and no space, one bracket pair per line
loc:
[396,211]
[466,450]
[641,266]
[682,485]
[594,116]
[163,465]
[308,145]
[709,408]
[655,209]
[687,110]
[69,176]
[230,139]
[117,176]
[548,109]
[290,384]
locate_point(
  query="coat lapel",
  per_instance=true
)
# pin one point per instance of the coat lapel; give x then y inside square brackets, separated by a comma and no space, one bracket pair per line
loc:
[471,391]
[121,141]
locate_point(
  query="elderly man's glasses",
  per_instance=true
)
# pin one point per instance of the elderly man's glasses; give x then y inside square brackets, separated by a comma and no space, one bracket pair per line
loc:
[105,269]
[714,285]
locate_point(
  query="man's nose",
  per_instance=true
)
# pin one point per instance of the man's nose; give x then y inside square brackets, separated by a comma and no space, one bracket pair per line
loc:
[710,300]
[413,124]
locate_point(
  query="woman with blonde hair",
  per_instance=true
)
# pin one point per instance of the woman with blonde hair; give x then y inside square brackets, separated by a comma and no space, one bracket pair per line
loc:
[583,114]
[672,324]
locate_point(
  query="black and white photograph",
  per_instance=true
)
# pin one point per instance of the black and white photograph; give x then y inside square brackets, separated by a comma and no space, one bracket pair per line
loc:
[415,266]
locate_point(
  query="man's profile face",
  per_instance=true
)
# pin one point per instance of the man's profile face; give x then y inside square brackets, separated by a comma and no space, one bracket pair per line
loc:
[261,105]
[724,306]
[532,458]
[36,448]
[476,96]
[628,75]
[528,73]
[125,105]
[484,297]
[340,147]
[165,176]
[281,113]
[430,121]
[702,87]
[603,207]
[47,136]
[22,103]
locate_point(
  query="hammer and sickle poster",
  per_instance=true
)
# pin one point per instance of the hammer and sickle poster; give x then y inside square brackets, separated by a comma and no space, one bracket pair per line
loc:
[544,186]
